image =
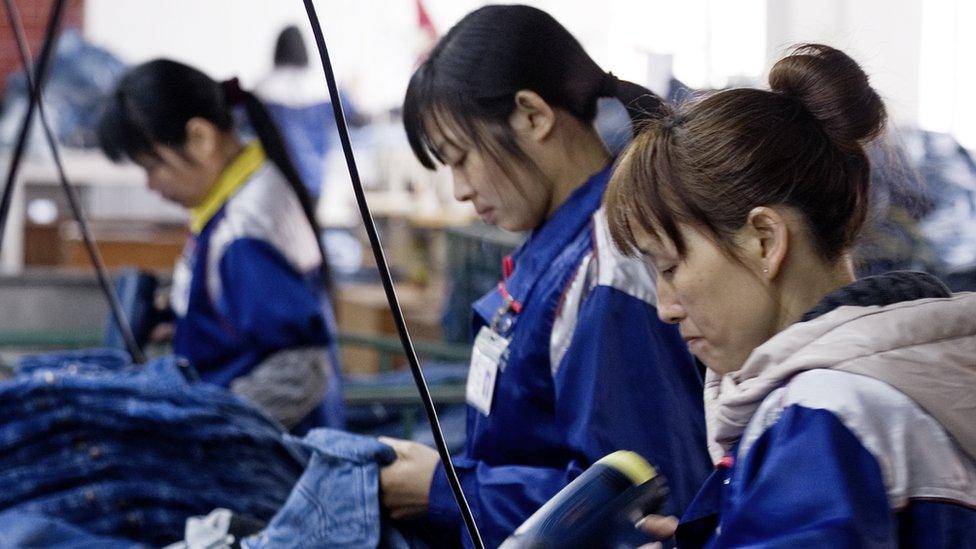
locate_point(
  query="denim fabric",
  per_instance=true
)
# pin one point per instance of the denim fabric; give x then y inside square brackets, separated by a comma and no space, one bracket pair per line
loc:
[81,74]
[90,360]
[18,529]
[132,451]
[923,208]
[336,501]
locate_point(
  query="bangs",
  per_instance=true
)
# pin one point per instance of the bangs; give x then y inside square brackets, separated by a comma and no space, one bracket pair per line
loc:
[432,109]
[121,133]
[644,192]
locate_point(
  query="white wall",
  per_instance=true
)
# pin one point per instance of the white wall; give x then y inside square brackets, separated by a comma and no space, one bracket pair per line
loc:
[884,36]
[374,43]
[368,40]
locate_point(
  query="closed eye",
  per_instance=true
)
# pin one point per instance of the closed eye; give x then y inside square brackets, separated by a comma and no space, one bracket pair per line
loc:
[459,162]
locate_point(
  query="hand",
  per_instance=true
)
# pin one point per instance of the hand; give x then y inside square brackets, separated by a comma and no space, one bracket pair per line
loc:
[162,333]
[658,527]
[405,483]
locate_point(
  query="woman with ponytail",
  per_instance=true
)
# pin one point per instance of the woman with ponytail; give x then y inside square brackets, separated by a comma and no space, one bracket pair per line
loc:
[250,290]
[571,362]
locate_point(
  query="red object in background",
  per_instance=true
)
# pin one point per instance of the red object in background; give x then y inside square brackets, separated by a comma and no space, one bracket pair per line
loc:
[34,15]
[425,25]
[424,21]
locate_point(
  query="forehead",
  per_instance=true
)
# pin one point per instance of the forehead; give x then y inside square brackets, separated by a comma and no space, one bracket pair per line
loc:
[444,131]
[651,241]
[161,155]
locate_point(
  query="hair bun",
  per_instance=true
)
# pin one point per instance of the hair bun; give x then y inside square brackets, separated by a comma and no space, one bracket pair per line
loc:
[834,89]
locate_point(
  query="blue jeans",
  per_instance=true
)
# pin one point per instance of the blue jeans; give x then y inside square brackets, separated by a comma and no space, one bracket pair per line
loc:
[132,451]
[19,529]
[336,501]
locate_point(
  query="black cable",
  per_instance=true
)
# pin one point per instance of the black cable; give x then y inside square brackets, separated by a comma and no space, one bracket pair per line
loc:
[57,13]
[374,240]
[115,307]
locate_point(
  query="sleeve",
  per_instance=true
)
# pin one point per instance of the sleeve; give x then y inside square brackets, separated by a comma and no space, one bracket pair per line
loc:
[266,301]
[807,482]
[628,382]
[621,385]
[501,497]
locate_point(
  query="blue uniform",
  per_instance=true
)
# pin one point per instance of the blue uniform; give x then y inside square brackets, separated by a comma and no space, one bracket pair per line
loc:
[851,429]
[249,284]
[843,461]
[589,369]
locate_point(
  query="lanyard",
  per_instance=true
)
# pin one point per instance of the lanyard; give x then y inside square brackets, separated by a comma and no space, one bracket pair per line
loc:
[509,303]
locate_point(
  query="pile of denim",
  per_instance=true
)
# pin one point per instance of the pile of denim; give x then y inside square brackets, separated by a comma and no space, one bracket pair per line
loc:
[81,74]
[126,450]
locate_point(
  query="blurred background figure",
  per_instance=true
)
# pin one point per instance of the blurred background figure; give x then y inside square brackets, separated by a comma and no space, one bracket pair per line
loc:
[298,100]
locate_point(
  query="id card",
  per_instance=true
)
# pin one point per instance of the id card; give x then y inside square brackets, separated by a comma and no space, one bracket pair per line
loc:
[485,357]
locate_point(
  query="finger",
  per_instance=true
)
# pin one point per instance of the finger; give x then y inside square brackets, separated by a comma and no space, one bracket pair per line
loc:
[398,445]
[658,527]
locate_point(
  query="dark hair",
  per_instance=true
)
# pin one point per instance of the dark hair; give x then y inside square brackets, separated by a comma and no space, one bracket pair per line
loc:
[290,48]
[153,102]
[711,161]
[470,79]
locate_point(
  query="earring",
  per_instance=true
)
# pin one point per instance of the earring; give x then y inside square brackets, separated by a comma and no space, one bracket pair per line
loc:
[766,270]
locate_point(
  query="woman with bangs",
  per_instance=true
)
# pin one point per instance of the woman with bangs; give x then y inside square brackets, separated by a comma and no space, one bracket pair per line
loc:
[839,411]
[570,362]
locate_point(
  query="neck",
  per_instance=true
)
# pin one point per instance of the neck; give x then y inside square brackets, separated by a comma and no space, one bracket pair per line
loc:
[228,148]
[813,285]
[580,154]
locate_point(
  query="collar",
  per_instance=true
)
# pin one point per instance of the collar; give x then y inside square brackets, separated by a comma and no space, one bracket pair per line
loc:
[881,290]
[551,238]
[231,179]
[885,314]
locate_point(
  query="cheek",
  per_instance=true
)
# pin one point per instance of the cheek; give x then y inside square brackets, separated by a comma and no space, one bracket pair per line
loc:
[713,300]
[743,312]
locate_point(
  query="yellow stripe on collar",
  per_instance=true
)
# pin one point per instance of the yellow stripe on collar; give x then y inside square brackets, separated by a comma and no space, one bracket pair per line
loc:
[231,179]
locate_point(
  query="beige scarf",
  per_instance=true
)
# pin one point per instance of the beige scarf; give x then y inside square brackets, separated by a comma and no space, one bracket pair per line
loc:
[924,348]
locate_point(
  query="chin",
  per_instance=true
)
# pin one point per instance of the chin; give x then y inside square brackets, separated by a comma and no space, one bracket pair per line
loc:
[510,226]
[722,367]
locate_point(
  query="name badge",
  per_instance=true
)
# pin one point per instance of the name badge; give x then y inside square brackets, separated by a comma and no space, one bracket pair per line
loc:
[485,357]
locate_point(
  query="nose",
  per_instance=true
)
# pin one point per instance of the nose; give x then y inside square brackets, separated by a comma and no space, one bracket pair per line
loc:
[462,189]
[669,310]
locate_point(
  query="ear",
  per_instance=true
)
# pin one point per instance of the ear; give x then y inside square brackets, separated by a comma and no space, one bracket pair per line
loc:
[202,139]
[765,240]
[533,118]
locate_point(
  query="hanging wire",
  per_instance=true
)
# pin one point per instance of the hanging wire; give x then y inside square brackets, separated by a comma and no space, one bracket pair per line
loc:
[115,307]
[384,270]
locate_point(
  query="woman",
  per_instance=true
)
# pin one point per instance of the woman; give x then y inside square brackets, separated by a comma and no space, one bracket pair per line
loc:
[570,340]
[249,294]
[840,412]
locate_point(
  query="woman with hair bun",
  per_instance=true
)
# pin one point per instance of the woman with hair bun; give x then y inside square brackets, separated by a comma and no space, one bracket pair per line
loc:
[840,412]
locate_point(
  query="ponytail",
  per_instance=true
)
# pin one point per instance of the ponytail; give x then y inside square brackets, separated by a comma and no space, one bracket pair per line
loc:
[472,75]
[153,102]
[642,104]
[274,146]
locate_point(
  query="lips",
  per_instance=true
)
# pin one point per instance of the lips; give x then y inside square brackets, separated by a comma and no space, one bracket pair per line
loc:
[486,214]
[693,342]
